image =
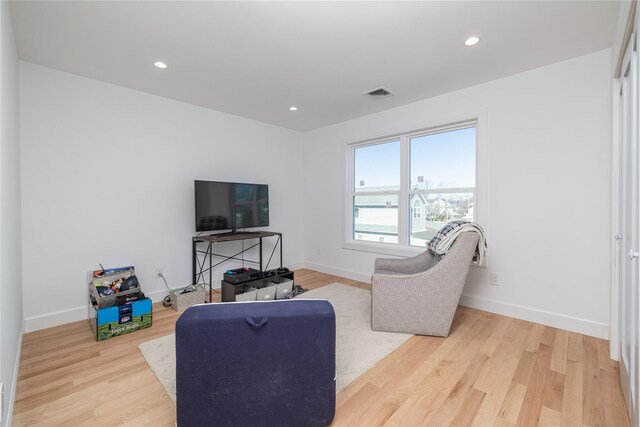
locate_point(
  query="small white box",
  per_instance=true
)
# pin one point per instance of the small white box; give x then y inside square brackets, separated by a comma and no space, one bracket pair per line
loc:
[182,301]
[267,293]
[247,296]
[283,289]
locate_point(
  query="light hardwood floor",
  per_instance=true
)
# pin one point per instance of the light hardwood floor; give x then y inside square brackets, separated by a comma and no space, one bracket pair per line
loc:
[491,370]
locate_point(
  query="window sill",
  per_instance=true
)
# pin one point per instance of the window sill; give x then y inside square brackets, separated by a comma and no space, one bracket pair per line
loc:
[393,250]
[383,249]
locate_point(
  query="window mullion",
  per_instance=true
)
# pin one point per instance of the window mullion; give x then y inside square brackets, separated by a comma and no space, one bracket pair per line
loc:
[443,191]
[403,197]
[352,194]
[375,193]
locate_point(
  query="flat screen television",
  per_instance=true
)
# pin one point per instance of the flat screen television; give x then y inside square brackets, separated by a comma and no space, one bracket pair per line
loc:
[230,205]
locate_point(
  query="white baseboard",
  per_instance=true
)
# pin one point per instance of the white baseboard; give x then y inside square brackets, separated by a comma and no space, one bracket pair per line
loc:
[14,383]
[556,320]
[347,274]
[547,318]
[56,318]
[157,296]
[295,266]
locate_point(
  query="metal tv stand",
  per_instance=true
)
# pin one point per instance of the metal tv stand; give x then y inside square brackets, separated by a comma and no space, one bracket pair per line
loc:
[207,265]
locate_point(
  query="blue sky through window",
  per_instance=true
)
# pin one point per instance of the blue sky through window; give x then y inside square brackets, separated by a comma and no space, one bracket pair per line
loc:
[377,166]
[446,160]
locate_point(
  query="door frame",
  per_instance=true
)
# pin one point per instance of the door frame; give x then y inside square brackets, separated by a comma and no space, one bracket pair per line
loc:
[627,22]
[628,219]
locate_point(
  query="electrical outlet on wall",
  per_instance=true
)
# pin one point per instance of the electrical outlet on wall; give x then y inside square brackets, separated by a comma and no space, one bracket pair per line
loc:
[495,279]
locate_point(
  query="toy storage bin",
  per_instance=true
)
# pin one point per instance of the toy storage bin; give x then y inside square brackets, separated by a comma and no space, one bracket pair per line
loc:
[110,300]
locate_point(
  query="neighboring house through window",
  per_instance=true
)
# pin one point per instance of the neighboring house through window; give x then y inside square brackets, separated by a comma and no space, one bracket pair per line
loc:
[417,207]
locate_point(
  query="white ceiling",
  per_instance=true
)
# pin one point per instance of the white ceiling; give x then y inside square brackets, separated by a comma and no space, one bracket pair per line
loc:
[255,59]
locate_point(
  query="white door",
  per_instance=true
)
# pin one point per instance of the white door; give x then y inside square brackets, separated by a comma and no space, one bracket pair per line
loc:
[628,247]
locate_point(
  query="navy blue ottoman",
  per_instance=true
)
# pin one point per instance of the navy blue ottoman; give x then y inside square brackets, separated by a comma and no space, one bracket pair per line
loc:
[256,364]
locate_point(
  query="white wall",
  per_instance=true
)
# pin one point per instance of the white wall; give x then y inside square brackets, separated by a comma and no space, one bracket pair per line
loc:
[548,190]
[108,178]
[10,240]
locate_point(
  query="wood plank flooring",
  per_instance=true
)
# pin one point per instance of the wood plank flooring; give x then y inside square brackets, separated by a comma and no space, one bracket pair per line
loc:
[491,370]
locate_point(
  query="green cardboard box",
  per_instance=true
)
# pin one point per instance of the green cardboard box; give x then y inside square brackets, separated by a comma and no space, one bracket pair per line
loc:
[120,320]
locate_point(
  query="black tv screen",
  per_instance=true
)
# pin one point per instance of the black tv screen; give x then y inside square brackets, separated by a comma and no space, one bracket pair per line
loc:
[230,205]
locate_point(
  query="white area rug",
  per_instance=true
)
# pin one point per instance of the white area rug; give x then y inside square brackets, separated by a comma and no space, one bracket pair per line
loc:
[358,348]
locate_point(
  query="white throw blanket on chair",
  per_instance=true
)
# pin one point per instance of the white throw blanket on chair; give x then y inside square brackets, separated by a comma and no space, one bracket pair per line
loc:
[443,241]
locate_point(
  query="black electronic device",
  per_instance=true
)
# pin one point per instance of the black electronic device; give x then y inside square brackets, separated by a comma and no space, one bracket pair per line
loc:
[125,299]
[242,275]
[277,272]
[230,205]
[230,289]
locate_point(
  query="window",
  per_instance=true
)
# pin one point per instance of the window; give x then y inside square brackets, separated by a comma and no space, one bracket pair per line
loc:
[376,192]
[405,188]
[442,179]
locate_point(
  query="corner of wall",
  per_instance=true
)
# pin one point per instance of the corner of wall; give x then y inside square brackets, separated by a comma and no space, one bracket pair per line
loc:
[11,289]
[14,383]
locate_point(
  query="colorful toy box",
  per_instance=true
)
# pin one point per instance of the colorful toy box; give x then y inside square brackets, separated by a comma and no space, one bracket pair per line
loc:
[120,320]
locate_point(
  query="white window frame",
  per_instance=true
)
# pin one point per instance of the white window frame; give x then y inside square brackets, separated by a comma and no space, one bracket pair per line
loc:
[403,248]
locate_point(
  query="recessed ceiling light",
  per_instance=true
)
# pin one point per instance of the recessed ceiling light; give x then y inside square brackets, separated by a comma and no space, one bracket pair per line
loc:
[160,64]
[471,41]
[293,108]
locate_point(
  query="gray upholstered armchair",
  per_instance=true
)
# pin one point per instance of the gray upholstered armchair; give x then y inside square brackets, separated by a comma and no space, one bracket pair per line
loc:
[420,295]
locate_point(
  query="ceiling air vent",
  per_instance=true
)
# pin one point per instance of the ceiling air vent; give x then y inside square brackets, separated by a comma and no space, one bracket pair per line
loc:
[379,93]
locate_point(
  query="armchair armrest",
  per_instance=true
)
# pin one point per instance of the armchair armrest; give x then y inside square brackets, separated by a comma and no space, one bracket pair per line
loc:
[388,264]
[412,265]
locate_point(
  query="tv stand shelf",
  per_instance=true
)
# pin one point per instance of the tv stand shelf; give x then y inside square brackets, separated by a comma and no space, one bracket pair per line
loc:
[240,235]
[230,290]
[207,265]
